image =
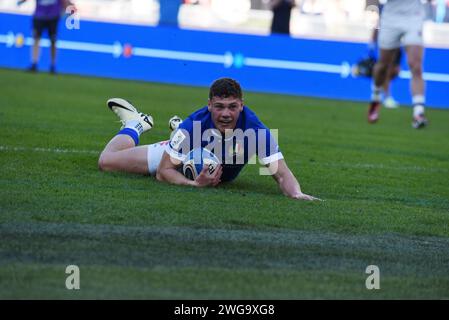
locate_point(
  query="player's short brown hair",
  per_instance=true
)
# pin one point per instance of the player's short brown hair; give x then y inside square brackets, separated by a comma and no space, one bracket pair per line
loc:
[225,87]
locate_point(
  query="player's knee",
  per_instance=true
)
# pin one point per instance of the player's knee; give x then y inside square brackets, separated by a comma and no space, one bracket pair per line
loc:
[416,69]
[395,72]
[381,66]
[380,70]
[101,163]
[104,163]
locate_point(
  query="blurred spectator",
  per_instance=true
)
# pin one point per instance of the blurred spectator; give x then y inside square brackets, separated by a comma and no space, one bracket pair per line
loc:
[46,17]
[281,15]
[312,7]
[169,10]
[441,14]
[393,69]
[401,24]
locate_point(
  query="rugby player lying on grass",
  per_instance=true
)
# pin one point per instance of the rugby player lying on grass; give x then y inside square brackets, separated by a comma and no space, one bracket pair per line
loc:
[225,123]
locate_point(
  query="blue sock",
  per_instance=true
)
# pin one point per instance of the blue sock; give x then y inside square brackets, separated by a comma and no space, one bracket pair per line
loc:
[132,133]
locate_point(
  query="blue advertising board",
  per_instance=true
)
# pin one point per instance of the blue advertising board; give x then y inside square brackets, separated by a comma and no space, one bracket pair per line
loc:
[275,64]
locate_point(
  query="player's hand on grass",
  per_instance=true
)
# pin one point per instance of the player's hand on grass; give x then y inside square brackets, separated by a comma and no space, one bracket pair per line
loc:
[303,196]
[206,179]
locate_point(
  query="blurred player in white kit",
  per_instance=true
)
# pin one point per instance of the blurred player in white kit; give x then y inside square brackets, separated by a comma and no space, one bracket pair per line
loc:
[401,25]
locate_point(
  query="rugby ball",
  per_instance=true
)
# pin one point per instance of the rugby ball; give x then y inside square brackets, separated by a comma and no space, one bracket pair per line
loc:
[196,159]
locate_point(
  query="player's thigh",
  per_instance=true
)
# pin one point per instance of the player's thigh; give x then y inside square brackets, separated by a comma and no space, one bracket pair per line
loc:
[154,155]
[387,57]
[390,36]
[398,58]
[38,26]
[413,33]
[52,27]
[395,64]
[132,160]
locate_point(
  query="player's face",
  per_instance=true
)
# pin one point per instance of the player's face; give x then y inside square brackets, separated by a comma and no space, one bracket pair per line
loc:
[225,112]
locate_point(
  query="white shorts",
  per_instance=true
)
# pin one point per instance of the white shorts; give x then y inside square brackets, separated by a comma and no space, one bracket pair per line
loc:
[154,155]
[395,33]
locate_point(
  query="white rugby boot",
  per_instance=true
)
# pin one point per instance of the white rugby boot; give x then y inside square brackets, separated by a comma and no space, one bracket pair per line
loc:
[174,123]
[127,112]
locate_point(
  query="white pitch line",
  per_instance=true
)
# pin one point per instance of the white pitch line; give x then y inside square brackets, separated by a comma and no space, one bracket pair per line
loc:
[324,164]
[48,150]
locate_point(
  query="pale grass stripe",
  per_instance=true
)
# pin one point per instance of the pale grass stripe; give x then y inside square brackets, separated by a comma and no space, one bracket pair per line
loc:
[47,150]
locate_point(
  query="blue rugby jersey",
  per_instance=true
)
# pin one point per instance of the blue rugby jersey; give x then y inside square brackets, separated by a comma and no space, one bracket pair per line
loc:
[250,137]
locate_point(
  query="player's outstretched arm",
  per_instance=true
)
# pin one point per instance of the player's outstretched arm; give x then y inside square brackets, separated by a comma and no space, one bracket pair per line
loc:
[168,172]
[287,181]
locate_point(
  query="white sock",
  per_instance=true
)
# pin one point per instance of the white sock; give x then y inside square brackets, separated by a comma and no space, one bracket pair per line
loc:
[134,125]
[418,99]
[376,93]
[418,110]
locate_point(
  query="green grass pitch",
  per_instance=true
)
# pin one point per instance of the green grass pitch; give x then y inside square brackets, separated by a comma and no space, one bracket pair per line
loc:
[386,191]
